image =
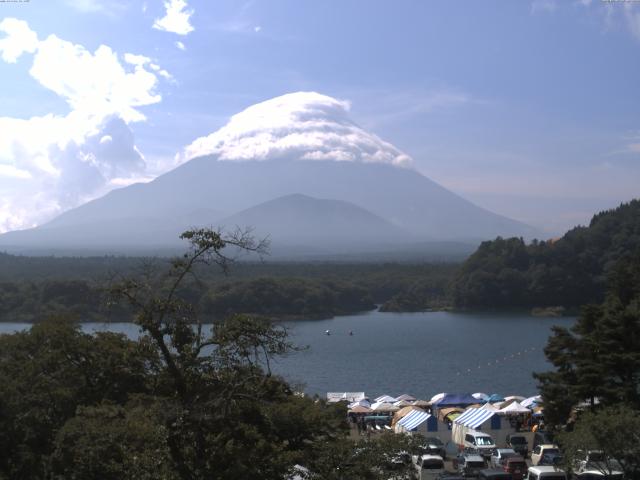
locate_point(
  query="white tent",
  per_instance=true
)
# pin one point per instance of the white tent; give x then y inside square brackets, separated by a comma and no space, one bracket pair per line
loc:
[531,401]
[401,403]
[406,397]
[386,398]
[437,397]
[360,403]
[383,407]
[514,397]
[333,397]
[490,407]
[514,408]
[480,396]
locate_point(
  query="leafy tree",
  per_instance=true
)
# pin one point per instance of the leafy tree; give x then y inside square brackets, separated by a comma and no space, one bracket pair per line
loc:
[599,357]
[614,431]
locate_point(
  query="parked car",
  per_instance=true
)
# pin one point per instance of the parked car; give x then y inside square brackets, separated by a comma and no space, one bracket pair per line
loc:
[518,443]
[553,459]
[516,466]
[479,442]
[545,473]
[469,464]
[450,476]
[499,454]
[542,438]
[594,465]
[428,467]
[493,474]
[540,450]
[434,446]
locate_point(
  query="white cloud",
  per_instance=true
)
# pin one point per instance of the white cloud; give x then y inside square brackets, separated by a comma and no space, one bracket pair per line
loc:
[50,163]
[176,19]
[543,6]
[632,17]
[19,39]
[180,45]
[300,126]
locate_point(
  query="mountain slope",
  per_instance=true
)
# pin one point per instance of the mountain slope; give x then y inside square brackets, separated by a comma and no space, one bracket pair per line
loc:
[401,196]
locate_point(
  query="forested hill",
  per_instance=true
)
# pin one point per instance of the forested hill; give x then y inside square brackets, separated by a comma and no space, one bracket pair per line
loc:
[567,272]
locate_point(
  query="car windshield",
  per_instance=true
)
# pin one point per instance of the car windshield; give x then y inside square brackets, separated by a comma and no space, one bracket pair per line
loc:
[475,464]
[484,441]
[434,441]
[432,464]
[551,451]
[554,477]
[518,441]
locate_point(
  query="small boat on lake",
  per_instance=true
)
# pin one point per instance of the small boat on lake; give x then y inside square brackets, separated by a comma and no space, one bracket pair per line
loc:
[327,332]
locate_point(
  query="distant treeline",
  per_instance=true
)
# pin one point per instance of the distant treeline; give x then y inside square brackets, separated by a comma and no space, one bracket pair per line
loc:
[570,271]
[32,288]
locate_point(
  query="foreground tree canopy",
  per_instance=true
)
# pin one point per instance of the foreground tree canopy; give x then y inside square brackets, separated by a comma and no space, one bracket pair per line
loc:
[181,402]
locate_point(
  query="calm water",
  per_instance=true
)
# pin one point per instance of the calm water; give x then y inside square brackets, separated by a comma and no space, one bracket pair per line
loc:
[418,353]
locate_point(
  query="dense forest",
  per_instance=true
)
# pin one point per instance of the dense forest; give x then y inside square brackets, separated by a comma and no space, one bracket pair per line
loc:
[32,288]
[569,272]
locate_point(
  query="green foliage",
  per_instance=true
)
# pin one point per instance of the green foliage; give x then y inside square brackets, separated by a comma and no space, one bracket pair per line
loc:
[599,357]
[614,431]
[570,272]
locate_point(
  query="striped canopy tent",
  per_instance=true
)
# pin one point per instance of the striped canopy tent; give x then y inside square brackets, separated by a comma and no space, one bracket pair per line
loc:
[413,420]
[403,412]
[406,397]
[474,417]
[359,409]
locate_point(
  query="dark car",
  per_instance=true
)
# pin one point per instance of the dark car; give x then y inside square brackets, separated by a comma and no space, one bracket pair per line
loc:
[542,438]
[492,474]
[434,446]
[518,443]
[516,466]
[450,476]
[469,465]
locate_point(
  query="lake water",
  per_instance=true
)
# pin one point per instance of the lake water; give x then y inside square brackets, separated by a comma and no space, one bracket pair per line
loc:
[417,353]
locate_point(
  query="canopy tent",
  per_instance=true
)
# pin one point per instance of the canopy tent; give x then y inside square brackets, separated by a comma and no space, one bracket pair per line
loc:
[403,412]
[421,403]
[362,403]
[514,408]
[333,397]
[455,400]
[384,407]
[406,397]
[531,401]
[480,396]
[359,409]
[443,413]
[437,397]
[401,403]
[386,398]
[495,398]
[514,397]
[474,417]
[413,420]
[491,408]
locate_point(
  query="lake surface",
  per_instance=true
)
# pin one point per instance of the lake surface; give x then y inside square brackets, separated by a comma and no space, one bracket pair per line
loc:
[417,353]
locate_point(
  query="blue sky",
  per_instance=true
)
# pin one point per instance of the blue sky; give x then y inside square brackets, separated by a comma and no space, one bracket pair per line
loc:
[528,108]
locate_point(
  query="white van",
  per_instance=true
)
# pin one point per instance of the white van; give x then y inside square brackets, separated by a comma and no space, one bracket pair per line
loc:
[480,443]
[428,467]
[545,473]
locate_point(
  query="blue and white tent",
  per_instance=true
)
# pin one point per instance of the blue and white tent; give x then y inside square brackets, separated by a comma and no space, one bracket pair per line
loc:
[413,420]
[474,417]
